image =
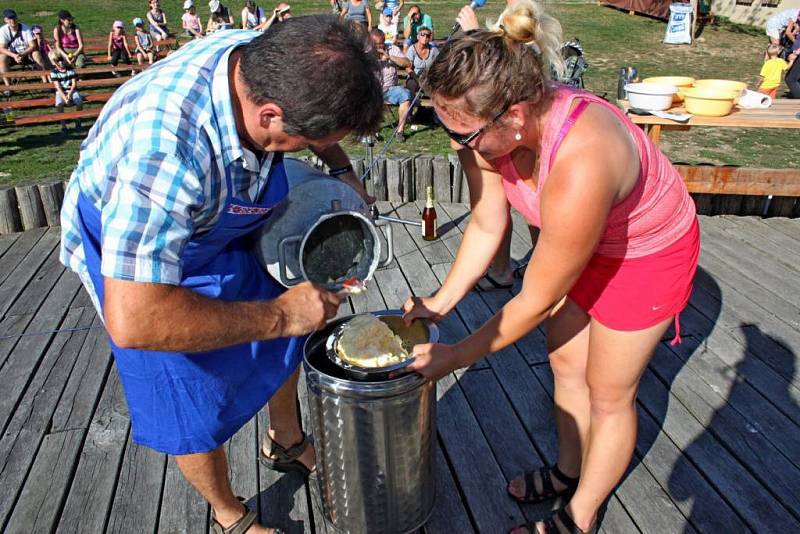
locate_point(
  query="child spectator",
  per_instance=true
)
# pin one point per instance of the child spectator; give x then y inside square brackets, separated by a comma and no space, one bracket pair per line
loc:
[394,7]
[157,20]
[118,45]
[772,71]
[144,43]
[44,47]
[388,25]
[66,85]
[252,15]
[190,20]
[68,39]
[220,18]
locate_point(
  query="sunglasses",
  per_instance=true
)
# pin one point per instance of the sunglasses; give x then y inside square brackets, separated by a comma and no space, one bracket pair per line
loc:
[467,138]
[424,34]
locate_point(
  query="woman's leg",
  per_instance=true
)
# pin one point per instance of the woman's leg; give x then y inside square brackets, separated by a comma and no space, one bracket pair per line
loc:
[568,345]
[615,365]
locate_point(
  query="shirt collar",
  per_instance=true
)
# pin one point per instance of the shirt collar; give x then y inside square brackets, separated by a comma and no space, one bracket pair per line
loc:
[232,149]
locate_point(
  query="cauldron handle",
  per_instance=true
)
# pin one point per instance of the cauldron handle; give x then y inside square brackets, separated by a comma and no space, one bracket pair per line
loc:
[389,243]
[285,280]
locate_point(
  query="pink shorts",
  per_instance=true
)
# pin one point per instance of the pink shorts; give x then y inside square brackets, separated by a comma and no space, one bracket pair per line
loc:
[637,293]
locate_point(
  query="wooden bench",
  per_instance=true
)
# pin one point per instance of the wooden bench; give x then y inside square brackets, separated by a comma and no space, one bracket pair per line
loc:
[96,69]
[49,101]
[55,117]
[102,82]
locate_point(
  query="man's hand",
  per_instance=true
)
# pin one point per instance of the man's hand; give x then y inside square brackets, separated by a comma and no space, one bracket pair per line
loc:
[17,58]
[306,307]
[352,180]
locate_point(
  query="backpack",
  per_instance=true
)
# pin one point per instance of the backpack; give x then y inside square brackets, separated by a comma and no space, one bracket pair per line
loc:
[575,64]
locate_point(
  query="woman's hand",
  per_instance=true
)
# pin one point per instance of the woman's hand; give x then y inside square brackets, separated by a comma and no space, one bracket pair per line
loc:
[467,19]
[422,308]
[434,360]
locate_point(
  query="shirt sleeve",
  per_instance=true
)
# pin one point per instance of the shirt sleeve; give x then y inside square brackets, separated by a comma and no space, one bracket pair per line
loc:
[5,36]
[147,220]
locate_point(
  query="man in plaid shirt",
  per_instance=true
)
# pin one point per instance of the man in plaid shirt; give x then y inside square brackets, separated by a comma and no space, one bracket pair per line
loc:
[183,164]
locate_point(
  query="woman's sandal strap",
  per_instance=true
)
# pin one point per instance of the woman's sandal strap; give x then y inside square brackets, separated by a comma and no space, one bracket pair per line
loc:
[239,527]
[570,482]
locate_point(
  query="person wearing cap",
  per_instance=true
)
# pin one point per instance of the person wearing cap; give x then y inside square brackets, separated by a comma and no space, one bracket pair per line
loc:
[68,39]
[252,15]
[281,12]
[145,48]
[118,47]
[182,167]
[17,45]
[157,20]
[220,18]
[190,21]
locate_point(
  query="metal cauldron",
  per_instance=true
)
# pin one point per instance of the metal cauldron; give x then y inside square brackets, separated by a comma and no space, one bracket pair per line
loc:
[323,231]
[375,442]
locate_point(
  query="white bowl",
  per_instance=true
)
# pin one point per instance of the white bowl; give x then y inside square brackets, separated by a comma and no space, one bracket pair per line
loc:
[651,96]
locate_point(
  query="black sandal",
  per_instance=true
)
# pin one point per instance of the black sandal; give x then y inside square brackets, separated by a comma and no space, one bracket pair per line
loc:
[548,491]
[241,525]
[285,459]
[551,525]
[491,284]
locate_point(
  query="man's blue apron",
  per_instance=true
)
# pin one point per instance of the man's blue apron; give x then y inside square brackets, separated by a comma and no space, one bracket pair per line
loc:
[185,403]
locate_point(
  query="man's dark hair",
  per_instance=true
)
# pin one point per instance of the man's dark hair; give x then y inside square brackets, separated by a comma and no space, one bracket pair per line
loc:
[317,70]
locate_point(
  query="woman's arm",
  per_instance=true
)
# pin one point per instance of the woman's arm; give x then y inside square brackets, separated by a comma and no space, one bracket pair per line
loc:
[110,35]
[369,15]
[125,44]
[244,18]
[80,41]
[57,42]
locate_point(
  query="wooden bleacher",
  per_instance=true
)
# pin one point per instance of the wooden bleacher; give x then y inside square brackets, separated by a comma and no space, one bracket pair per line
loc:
[48,101]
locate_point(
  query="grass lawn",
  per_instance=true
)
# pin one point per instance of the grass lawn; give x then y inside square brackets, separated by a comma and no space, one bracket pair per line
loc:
[611,39]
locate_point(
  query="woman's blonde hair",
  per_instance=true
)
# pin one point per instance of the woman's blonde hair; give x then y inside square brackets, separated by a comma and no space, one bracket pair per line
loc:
[525,21]
[510,63]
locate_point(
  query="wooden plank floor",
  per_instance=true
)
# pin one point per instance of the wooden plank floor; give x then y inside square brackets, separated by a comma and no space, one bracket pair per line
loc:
[718,447]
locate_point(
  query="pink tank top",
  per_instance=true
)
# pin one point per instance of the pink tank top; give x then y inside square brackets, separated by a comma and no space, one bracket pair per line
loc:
[656,213]
[69,40]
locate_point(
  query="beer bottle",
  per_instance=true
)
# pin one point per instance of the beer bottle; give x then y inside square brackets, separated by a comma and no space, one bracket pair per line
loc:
[429,217]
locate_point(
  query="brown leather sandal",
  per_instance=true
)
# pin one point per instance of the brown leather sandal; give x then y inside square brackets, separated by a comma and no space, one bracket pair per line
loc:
[546,473]
[555,524]
[241,525]
[284,459]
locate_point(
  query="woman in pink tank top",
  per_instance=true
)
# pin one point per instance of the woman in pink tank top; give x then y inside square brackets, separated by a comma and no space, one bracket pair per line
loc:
[612,268]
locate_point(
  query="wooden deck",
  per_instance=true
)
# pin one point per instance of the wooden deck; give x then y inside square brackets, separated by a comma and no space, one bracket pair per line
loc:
[719,443]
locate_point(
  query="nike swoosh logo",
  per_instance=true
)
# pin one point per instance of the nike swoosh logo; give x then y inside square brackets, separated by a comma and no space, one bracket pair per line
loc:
[656,308]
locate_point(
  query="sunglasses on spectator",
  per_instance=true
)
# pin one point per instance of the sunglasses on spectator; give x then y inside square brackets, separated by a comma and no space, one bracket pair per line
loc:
[424,34]
[467,138]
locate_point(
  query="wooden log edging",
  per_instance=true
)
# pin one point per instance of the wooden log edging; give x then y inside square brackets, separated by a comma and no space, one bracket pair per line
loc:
[715,190]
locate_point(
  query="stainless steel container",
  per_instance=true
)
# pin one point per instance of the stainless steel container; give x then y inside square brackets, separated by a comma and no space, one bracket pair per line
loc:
[322,231]
[374,444]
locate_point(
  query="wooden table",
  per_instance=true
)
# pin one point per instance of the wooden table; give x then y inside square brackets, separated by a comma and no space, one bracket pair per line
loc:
[784,113]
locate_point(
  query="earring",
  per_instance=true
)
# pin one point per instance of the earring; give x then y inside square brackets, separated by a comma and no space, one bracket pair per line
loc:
[518,136]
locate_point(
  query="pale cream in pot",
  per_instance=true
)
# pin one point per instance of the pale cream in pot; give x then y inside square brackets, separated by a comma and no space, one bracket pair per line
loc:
[366,341]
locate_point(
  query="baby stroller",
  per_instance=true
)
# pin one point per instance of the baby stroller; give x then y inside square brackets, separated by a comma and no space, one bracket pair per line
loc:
[575,64]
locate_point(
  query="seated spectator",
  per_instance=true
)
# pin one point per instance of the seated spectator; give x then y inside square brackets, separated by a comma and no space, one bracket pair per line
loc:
[394,94]
[792,78]
[220,18]
[44,47]
[68,40]
[17,46]
[66,84]
[769,78]
[190,21]
[357,11]
[388,25]
[145,48]
[118,45]
[413,22]
[157,20]
[281,12]
[252,15]
[422,55]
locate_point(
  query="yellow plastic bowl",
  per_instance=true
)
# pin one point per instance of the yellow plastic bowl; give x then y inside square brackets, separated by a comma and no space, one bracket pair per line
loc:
[709,102]
[681,82]
[723,85]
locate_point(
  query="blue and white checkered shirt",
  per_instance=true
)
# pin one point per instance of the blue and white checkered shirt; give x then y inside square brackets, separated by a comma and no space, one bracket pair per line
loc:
[154,165]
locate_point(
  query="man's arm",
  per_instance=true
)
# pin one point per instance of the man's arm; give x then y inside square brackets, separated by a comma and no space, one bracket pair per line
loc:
[335,158]
[149,316]
[400,61]
[6,52]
